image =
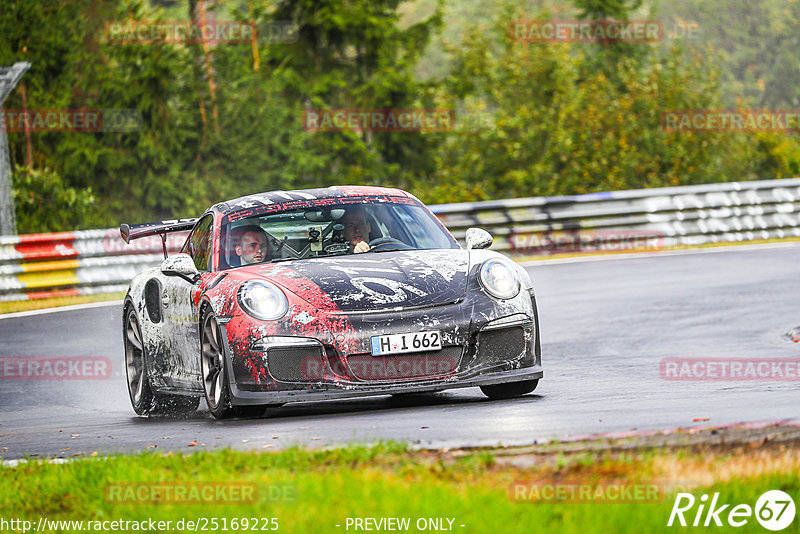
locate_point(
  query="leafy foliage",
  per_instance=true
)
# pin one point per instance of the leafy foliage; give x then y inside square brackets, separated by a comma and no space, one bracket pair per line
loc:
[584,118]
[531,119]
[45,204]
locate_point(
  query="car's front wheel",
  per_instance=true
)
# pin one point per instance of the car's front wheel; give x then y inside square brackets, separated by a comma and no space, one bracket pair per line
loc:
[216,383]
[212,364]
[509,390]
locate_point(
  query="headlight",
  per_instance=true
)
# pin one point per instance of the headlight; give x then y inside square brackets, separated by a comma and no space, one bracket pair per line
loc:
[499,279]
[263,300]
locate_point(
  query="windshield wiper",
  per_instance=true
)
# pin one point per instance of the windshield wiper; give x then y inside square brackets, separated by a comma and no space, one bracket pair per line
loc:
[390,250]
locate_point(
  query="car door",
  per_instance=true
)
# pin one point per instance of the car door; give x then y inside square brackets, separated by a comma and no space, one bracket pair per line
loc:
[183,339]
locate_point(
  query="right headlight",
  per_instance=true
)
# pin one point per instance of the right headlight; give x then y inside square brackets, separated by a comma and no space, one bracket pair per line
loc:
[499,279]
[263,300]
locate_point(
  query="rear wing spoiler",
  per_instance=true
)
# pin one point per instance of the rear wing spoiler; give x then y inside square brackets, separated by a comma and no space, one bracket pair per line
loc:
[135,231]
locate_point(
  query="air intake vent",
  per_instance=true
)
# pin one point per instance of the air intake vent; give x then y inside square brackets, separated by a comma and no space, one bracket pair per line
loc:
[296,364]
[501,345]
[152,300]
[443,362]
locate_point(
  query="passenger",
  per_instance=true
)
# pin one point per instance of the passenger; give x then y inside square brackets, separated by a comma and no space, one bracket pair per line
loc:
[356,229]
[250,244]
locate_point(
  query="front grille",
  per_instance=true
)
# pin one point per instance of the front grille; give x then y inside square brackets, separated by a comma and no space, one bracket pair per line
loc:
[295,364]
[501,345]
[443,362]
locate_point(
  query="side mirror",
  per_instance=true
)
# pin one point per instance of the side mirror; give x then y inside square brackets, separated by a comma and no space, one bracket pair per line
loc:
[478,238]
[181,265]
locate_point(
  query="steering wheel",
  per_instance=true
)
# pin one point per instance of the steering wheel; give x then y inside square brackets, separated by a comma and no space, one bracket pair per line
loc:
[387,242]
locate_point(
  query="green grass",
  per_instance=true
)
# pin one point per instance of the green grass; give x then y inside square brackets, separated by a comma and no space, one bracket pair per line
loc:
[387,480]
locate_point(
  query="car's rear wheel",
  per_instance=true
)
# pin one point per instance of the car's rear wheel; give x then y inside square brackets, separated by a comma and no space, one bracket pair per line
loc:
[143,400]
[509,390]
[135,367]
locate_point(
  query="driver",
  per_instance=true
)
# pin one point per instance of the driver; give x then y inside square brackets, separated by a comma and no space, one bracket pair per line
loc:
[356,229]
[250,244]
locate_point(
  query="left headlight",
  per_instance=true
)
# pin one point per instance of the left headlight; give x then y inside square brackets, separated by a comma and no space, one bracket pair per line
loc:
[263,300]
[499,279]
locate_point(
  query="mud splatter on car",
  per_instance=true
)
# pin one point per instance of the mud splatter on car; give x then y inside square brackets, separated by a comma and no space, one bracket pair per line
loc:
[320,316]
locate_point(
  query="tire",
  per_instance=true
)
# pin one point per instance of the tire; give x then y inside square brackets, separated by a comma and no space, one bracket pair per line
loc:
[212,365]
[143,400]
[139,391]
[216,385]
[509,390]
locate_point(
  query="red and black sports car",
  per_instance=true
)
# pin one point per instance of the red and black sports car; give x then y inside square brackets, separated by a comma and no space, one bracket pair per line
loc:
[321,294]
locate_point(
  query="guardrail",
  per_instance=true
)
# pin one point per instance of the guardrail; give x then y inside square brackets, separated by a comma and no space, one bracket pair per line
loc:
[98,261]
[75,263]
[636,219]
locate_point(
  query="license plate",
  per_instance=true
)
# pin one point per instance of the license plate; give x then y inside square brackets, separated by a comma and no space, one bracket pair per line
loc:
[401,343]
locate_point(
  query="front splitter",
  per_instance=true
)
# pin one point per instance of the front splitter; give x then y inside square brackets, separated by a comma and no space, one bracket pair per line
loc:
[349,390]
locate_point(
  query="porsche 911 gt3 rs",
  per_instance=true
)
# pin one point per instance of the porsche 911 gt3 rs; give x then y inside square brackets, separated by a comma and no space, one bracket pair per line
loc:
[322,294]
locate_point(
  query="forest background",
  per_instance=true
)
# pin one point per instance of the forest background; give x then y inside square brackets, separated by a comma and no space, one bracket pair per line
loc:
[218,120]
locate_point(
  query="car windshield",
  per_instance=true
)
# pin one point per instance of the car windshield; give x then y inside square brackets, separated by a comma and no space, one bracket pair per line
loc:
[328,228]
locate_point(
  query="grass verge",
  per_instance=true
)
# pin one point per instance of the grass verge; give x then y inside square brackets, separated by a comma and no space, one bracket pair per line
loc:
[316,490]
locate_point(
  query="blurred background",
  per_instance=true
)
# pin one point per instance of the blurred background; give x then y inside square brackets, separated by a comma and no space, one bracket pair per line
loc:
[218,120]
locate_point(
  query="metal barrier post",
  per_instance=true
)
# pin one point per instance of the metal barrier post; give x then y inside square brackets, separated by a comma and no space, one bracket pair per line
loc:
[9,78]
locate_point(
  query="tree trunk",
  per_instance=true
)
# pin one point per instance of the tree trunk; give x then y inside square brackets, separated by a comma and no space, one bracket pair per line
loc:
[198,14]
[253,37]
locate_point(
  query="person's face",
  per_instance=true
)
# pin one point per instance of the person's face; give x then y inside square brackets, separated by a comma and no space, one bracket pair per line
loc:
[253,248]
[356,228]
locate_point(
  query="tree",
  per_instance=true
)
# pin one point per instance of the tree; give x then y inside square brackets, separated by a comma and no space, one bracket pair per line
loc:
[559,127]
[45,204]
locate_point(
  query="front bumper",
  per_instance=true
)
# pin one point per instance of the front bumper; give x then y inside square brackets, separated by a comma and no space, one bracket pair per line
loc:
[243,398]
[482,347]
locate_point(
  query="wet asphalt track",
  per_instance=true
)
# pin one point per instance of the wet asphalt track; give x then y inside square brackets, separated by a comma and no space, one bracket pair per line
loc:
[605,327]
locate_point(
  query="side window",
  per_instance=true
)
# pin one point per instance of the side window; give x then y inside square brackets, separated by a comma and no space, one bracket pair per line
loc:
[198,245]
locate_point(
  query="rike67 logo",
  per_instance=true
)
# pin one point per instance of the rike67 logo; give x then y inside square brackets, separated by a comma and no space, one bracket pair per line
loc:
[774,510]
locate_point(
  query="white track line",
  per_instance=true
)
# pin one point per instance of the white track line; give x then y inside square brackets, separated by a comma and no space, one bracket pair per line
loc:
[61,309]
[634,255]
